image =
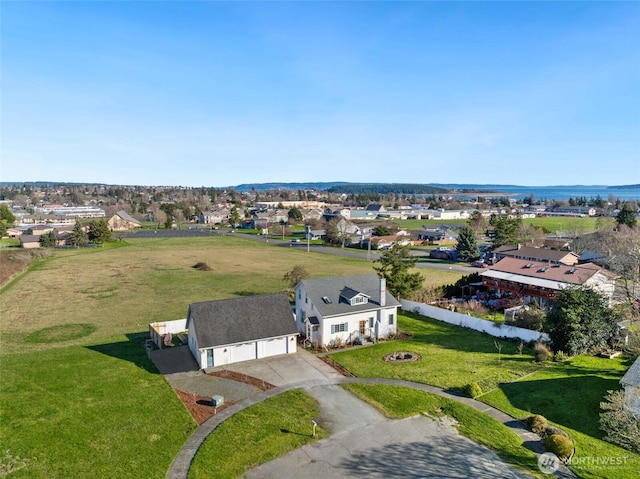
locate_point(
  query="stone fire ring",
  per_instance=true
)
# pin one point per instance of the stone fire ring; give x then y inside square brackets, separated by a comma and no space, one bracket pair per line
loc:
[400,357]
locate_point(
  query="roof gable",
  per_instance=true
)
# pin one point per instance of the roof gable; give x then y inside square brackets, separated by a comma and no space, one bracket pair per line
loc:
[632,376]
[340,291]
[238,320]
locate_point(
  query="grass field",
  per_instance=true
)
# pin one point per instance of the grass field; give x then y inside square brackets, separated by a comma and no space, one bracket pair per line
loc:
[79,398]
[399,402]
[552,224]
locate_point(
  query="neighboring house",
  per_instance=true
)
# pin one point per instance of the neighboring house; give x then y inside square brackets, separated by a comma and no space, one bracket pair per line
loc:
[29,241]
[122,221]
[524,281]
[386,242]
[530,253]
[433,235]
[40,229]
[240,329]
[631,383]
[214,217]
[345,309]
[571,211]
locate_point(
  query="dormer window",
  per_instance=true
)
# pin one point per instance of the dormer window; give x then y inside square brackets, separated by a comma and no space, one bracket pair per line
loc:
[360,299]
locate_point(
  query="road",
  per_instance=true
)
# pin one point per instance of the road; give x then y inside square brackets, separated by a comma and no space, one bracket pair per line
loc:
[354,253]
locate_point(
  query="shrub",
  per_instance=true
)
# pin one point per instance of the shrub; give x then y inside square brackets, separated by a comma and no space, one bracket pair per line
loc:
[560,445]
[541,352]
[558,356]
[473,390]
[201,266]
[537,423]
[551,430]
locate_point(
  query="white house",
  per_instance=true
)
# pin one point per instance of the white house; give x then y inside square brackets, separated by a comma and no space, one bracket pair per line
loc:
[345,309]
[631,383]
[240,329]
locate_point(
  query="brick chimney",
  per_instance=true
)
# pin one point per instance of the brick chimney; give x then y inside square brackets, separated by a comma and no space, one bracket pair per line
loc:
[383,292]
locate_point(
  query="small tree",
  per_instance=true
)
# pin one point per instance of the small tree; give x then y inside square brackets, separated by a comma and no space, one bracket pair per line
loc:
[6,216]
[294,214]
[78,236]
[99,231]
[627,216]
[618,423]
[48,240]
[381,231]
[467,247]
[293,277]
[394,265]
[580,320]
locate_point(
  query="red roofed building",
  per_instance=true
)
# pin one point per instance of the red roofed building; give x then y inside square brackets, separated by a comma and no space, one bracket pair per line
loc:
[525,281]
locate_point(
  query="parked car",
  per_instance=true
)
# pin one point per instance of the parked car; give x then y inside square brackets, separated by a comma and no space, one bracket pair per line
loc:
[479,264]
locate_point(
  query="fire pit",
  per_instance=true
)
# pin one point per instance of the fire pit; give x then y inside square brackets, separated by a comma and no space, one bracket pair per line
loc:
[401,357]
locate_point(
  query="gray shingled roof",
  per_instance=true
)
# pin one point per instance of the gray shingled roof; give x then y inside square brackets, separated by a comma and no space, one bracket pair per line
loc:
[632,376]
[127,217]
[333,288]
[239,320]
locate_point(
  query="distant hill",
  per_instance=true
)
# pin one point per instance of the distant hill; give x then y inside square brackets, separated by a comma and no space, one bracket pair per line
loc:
[625,187]
[288,186]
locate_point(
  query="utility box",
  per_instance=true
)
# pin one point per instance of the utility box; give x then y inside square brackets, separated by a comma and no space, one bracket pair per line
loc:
[217,401]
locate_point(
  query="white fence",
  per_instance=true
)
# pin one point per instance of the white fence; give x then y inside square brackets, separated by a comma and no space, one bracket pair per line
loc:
[158,330]
[494,329]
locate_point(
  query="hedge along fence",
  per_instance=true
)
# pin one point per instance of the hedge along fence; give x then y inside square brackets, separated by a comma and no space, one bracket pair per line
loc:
[494,329]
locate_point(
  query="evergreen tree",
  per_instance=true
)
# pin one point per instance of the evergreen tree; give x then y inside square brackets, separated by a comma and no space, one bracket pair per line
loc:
[234,217]
[294,214]
[6,216]
[99,231]
[393,266]
[627,216]
[467,247]
[506,230]
[48,240]
[580,320]
[78,236]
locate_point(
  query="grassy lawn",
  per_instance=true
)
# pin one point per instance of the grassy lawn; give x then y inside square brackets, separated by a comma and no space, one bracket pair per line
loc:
[257,435]
[79,397]
[398,402]
[569,395]
[451,356]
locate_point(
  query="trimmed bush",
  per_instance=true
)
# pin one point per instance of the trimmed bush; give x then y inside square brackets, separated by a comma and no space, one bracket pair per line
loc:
[537,423]
[560,445]
[473,390]
[551,430]
[541,353]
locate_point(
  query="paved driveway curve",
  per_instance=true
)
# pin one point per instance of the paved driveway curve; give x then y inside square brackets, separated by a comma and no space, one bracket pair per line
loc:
[367,459]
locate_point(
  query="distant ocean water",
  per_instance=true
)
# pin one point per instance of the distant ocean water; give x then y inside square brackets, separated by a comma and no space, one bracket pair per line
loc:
[554,192]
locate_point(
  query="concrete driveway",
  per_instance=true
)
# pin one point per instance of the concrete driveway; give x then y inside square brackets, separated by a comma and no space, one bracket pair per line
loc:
[363,442]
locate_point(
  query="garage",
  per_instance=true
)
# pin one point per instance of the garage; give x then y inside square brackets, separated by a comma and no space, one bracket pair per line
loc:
[229,331]
[243,352]
[273,346]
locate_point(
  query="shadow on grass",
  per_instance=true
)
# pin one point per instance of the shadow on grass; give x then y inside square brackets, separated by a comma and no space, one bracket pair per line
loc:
[573,402]
[132,350]
[286,431]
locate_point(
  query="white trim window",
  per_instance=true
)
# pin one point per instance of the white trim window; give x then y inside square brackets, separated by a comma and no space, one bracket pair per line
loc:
[339,328]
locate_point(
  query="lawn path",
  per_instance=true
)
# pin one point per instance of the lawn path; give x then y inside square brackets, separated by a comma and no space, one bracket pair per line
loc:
[180,467]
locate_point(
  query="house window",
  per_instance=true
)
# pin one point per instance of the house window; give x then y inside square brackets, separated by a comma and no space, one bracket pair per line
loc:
[371,322]
[304,315]
[339,328]
[391,319]
[359,300]
[299,294]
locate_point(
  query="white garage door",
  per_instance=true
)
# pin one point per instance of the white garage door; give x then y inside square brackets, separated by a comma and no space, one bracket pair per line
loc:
[275,346]
[243,352]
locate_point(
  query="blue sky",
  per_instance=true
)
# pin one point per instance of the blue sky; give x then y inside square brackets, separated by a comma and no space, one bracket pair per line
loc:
[222,93]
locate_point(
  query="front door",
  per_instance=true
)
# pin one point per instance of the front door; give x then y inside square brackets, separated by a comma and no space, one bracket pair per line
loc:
[363,325]
[209,358]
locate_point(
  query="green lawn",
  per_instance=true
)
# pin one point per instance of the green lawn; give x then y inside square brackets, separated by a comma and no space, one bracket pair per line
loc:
[78,396]
[257,435]
[399,402]
[569,395]
[451,356]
